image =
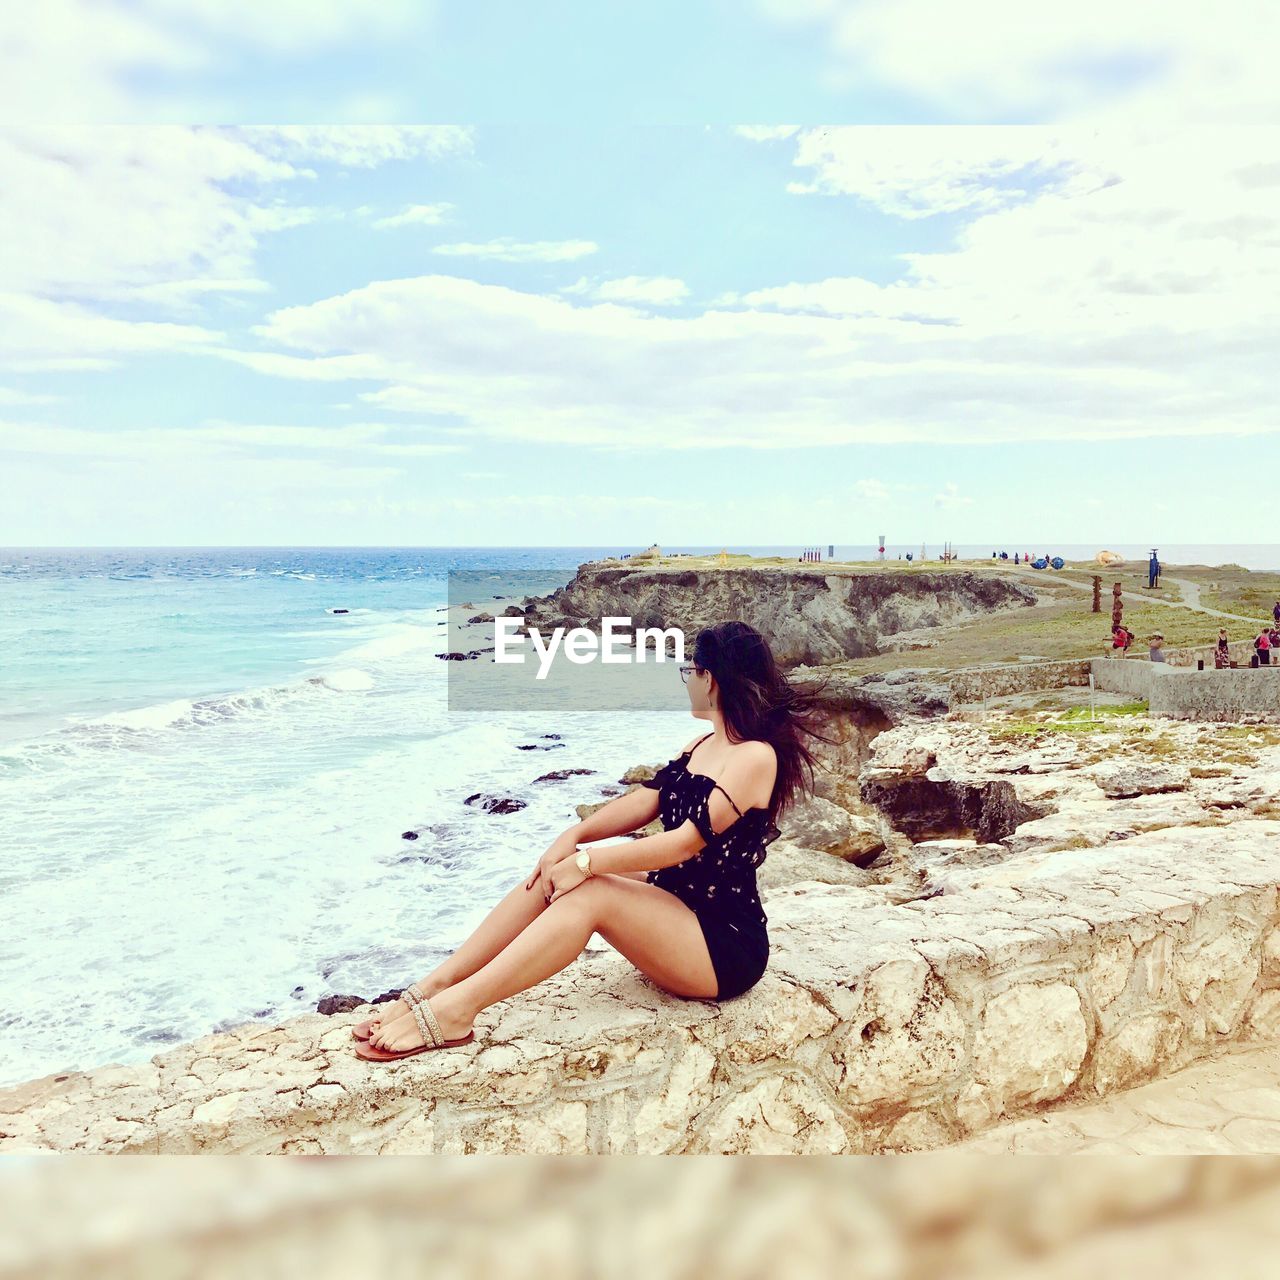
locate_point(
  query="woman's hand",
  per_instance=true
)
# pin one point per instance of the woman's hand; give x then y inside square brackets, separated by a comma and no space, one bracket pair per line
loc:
[563,846]
[565,875]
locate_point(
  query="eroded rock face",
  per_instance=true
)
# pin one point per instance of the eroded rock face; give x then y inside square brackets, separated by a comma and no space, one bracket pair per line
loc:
[925,809]
[820,824]
[808,617]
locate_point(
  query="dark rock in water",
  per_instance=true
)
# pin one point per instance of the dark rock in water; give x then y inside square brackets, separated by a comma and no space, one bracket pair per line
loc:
[559,775]
[496,804]
[455,656]
[480,617]
[413,835]
[341,611]
[556,736]
[339,1004]
[537,746]
[297,993]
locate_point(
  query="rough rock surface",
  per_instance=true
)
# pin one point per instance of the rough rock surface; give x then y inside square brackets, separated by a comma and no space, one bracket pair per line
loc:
[1120,778]
[809,617]
[877,1027]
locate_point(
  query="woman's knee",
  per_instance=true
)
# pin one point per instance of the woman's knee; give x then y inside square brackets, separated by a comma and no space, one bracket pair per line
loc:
[585,901]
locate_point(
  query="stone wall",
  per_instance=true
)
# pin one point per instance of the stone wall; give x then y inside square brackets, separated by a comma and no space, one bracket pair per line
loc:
[877,1027]
[977,683]
[1218,695]
[1241,651]
[1132,676]
[1176,693]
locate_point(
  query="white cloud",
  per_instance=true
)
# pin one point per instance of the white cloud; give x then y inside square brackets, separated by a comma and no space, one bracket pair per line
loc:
[217,440]
[428,215]
[991,60]
[86,60]
[766,132]
[159,217]
[919,171]
[361,146]
[654,291]
[951,497]
[508,249]
[42,335]
[516,365]
[9,395]
[871,490]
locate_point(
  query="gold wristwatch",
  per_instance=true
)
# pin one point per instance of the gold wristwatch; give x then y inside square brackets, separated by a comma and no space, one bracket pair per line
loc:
[584,862]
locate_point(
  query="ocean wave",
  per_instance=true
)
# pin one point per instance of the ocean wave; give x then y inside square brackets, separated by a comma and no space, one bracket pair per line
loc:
[136,727]
[397,640]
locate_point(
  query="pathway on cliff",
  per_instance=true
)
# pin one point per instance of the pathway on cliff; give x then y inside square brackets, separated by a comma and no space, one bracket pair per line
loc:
[1190,591]
[1226,1105]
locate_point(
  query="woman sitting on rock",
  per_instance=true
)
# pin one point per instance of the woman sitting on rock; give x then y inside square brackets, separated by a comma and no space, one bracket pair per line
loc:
[682,905]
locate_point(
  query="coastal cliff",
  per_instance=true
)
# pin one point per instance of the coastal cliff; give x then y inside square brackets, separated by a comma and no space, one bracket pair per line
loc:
[808,616]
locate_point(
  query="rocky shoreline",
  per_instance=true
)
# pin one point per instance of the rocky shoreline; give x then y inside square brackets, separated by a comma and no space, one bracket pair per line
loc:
[1000,897]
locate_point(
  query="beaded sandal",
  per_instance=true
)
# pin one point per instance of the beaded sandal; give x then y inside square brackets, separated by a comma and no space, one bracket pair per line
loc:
[433,1037]
[363,1030]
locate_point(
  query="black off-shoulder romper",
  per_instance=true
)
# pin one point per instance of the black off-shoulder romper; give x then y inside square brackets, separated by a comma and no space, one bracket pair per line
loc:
[718,883]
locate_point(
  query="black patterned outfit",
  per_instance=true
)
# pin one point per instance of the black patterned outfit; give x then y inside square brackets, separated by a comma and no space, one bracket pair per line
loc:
[718,883]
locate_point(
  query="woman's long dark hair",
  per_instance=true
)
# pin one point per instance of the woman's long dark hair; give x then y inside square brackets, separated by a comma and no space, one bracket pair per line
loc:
[758,702]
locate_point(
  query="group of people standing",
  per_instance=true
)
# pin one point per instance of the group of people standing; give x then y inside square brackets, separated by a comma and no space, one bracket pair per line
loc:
[1265,643]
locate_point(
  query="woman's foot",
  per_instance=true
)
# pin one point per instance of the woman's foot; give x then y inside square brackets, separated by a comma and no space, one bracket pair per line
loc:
[390,1010]
[401,1032]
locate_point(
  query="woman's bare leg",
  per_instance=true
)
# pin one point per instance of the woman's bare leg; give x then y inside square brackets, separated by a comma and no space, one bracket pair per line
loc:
[510,917]
[657,932]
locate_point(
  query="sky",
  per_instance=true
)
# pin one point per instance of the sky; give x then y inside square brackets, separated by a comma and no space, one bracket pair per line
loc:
[571,274]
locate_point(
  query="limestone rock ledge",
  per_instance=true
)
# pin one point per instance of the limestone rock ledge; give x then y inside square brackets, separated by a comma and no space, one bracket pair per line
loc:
[878,1027]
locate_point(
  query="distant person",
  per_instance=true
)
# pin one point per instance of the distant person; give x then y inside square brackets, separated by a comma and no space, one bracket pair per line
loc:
[1275,613]
[1222,651]
[1155,648]
[1121,639]
[1015,558]
[1262,647]
[1274,636]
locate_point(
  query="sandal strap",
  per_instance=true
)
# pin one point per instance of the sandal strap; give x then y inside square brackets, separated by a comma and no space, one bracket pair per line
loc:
[427,1024]
[423,1015]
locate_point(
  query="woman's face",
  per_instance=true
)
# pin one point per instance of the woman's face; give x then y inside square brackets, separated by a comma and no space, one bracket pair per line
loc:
[700,687]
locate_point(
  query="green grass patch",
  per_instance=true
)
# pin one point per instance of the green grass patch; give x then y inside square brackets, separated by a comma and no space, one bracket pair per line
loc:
[1075,721]
[1138,708]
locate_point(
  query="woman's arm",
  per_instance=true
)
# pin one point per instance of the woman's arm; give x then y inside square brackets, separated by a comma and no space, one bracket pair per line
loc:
[649,853]
[623,814]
